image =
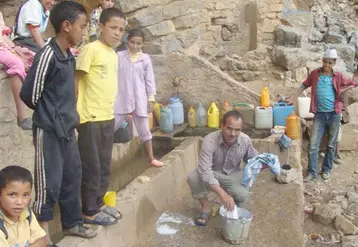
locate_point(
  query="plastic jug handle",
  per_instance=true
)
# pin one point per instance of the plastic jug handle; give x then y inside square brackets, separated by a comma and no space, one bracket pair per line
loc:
[281,104]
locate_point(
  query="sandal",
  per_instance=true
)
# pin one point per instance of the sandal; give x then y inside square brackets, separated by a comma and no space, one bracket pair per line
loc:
[156,163]
[102,219]
[202,219]
[113,212]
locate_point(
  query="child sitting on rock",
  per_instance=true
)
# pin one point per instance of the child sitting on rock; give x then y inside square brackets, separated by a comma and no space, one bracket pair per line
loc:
[16,61]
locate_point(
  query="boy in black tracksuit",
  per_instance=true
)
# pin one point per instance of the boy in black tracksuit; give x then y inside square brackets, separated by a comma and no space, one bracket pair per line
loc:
[49,90]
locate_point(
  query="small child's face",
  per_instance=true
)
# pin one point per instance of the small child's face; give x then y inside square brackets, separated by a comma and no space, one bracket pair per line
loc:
[106,4]
[15,198]
[112,31]
[135,44]
[48,4]
[77,30]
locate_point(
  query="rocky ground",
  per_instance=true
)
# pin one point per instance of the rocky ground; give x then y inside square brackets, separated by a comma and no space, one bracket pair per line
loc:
[331,207]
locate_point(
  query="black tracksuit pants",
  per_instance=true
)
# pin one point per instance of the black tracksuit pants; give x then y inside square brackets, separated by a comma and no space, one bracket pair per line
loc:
[58,176]
[95,142]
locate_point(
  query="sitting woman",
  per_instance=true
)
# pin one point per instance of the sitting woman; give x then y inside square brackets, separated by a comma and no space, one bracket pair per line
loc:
[31,22]
[16,61]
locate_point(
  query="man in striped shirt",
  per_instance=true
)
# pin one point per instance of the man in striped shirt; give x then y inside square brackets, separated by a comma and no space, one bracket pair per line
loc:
[219,166]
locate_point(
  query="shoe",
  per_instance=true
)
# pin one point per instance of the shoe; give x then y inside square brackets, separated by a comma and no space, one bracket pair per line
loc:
[25,124]
[322,154]
[80,231]
[309,178]
[52,245]
[326,175]
[337,160]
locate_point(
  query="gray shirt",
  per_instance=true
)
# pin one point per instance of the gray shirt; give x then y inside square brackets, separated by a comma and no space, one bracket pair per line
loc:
[216,156]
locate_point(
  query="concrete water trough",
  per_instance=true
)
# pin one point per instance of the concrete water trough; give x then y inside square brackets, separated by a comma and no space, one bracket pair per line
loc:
[141,203]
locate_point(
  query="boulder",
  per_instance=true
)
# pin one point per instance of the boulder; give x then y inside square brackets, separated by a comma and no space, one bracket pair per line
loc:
[320,23]
[334,38]
[130,5]
[303,21]
[353,209]
[354,41]
[289,58]
[345,226]
[287,176]
[316,36]
[160,29]
[352,197]
[248,76]
[347,53]
[350,241]
[300,74]
[188,37]
[326,213]
[146,17]
[288,36]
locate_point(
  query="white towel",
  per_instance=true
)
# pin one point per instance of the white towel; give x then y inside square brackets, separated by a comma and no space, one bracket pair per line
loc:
[229,214]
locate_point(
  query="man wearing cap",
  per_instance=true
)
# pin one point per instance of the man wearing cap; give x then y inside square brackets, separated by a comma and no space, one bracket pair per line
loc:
[326,87]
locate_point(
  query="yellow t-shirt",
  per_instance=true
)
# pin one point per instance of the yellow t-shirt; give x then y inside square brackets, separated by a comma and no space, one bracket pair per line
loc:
[97,89]
[21,233]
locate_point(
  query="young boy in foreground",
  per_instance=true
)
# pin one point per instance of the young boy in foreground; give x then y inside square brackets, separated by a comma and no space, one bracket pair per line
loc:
[18,225]
[97,70]
[49,90]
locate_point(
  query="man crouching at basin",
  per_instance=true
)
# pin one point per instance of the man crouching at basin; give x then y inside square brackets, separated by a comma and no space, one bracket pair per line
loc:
[219,166]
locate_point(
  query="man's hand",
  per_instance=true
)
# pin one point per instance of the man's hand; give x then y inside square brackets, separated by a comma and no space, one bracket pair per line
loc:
[228,202]
[291,100]
[150,106]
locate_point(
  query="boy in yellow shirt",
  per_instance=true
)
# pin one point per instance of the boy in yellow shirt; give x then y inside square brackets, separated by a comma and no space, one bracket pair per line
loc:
[96,80]
[18,224]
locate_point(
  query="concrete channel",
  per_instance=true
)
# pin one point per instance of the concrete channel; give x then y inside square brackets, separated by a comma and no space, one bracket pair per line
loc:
[278,215]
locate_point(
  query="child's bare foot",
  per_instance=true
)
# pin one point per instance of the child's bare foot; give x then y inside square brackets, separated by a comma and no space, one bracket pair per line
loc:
[156,163]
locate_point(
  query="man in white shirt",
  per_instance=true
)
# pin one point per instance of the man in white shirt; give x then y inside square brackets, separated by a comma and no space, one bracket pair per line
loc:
[31,21]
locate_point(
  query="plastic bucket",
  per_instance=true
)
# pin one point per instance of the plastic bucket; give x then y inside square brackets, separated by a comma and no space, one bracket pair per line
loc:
[236,231]
[110,198]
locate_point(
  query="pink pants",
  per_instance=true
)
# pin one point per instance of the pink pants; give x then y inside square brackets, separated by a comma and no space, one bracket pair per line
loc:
[141,123]
[13,64]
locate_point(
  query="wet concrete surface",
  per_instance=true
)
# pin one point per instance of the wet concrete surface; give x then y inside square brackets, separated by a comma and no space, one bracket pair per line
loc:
[277,220]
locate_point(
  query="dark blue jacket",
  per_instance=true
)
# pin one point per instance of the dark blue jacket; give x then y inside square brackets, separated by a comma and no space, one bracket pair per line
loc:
[49,89]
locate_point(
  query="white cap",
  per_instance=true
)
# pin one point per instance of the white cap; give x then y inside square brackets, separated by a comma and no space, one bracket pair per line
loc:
[330,53]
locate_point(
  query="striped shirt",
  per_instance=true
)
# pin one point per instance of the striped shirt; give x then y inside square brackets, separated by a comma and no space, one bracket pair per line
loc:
[216,156]
[325,94]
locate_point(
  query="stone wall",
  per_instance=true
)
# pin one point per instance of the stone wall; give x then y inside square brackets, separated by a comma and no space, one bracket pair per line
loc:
[201,81]
[15,144]
[201,26]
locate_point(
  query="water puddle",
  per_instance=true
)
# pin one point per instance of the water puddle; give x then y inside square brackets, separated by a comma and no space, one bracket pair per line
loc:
[168,223]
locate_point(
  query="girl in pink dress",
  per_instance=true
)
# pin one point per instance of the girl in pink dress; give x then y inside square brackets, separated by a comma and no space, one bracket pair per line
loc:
[136,90]
[16,61]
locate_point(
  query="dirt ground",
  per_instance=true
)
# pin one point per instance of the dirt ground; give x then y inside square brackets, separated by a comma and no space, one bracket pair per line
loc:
[343,178]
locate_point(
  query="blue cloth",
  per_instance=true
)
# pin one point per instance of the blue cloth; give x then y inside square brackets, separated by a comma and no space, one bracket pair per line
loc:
[255,165]
[323,122]
[325,94]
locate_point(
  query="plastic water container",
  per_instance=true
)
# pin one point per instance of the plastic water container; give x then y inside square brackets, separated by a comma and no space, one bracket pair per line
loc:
[293,129]
[213,116]
[265,97]
[236,231]
[177,109]
[304,107]
[201,117]
[166,120]
[150,121]
[263,117]
[192,117]
[281,111]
